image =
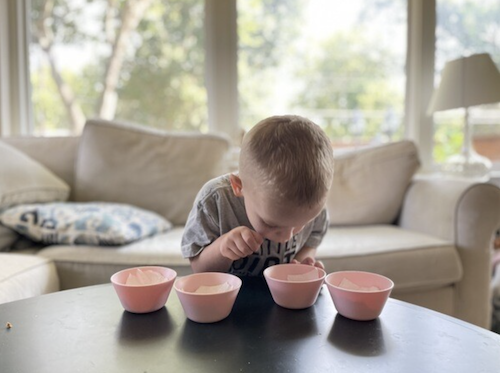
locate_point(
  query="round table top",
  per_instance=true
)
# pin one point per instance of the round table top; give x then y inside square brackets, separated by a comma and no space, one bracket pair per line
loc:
[87,330]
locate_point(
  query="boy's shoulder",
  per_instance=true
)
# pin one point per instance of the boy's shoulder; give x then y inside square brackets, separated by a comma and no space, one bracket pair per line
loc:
[219,186]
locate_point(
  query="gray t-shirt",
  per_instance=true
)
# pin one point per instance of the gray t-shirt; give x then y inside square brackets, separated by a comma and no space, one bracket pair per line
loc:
[217,211]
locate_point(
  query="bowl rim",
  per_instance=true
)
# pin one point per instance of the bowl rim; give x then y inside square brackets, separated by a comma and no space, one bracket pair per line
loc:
[360,291]
[268,269]
[165,280]
[177,289]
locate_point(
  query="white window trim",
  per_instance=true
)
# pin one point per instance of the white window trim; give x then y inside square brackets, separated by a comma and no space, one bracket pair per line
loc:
[419,127]
[4,76]
[15,95]
[221,66]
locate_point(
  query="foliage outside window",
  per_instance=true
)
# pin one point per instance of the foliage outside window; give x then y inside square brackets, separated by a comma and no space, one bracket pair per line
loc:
[338,63]
[137,60]
[143,61]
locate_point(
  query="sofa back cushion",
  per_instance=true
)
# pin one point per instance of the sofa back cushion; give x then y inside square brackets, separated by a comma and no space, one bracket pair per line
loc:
[58,154]
[369,184]
[24,180]
[154,170]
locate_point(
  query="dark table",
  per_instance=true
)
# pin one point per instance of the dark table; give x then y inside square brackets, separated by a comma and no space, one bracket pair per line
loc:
[86,330]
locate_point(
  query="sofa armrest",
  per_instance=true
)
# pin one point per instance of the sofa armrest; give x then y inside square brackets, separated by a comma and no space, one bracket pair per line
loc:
[466,214]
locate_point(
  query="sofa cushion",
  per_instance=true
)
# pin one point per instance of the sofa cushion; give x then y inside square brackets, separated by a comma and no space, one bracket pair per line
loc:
[7,238]
[23,276]
[369,184]
[60,162]
[24,180]
[413,260]
[154,170]
[88,265]
[83,223]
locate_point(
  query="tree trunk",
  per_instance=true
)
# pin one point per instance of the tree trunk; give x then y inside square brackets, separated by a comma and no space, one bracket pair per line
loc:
[45,38]
[68,97]
[132,14]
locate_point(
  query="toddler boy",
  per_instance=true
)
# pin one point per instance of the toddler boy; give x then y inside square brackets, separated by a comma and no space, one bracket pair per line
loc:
[273,210]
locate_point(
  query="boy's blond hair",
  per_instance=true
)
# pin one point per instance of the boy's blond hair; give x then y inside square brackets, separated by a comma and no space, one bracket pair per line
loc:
[290,157]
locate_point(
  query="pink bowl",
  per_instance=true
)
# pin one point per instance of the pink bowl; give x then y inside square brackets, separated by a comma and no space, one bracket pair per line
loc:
[294,294]
[359,305]
[143,298]
[207,307]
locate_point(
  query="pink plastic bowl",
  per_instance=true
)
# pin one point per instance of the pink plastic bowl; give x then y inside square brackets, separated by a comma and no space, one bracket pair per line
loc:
[207,308]
[293,294]
[143,298]
[359,305]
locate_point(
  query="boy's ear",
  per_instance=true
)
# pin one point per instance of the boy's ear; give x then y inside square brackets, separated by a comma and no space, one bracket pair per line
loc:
[236,184]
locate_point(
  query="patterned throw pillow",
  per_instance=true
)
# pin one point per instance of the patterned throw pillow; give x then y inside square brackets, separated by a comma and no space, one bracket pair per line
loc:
[83,223]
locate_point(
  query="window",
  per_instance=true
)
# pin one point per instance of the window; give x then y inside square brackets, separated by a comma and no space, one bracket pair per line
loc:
[138,61]
[349,66]
[340,64]
[466,27]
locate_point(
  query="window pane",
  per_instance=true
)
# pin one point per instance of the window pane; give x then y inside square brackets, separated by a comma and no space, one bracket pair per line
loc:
[339,63]
[466,27]
[137,61]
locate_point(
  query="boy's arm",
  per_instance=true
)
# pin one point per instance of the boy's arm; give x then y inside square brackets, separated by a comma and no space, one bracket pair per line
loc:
[211,259]
[307,255]
[218,256]
[305,252]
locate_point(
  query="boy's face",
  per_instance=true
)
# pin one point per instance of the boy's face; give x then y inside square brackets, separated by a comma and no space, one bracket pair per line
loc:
[276,221]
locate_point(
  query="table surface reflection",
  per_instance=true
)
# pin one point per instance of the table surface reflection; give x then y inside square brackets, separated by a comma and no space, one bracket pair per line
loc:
[87,330]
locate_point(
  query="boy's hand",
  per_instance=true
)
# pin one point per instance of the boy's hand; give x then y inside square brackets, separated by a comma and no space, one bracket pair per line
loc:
[310,261]
[240,243]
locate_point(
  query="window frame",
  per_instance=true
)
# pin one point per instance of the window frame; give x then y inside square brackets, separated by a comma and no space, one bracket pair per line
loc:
[15,92]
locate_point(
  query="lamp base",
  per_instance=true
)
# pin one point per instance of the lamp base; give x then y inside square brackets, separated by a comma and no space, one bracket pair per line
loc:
[472,165]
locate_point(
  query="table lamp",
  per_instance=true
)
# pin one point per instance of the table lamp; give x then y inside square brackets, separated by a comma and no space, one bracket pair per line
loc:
[467,82]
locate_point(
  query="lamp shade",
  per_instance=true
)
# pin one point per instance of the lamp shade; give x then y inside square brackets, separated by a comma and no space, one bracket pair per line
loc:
[465,82]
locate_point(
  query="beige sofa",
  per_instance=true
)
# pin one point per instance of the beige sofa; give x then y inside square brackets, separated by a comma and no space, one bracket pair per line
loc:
[432,236]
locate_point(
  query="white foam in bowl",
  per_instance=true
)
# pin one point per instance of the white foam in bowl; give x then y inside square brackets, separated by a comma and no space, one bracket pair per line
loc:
[147,277]
[311,275]
[349,285]
[204,289]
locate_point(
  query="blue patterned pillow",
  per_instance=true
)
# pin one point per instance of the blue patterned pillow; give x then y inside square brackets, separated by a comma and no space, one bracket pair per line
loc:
[83,223]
